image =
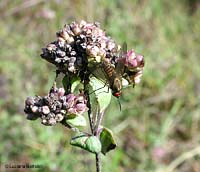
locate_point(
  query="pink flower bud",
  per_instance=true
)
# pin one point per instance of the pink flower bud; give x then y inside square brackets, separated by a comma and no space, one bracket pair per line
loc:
[61,41]
[72,110]
[61,92]
[129,53]
[81,108]
[70,99]
[51,47]
[34,109]
[59,117]
[92,50]
[81,99]
[44,121]
[52,121]
[70,40]
[110,45]
[133,61]
[139,58]
[82,23]
[75,28]
[64,35]
[103,45]
[29,101]
[45,110]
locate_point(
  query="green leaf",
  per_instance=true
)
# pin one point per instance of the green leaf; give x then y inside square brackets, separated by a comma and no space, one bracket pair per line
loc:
[71,116]
[93,144]
[74,81]
[102,93]
[88,143]
[76,120]
[79,141]
[107,140]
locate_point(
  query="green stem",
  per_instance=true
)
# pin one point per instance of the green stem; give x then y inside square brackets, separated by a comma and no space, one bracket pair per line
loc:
[90,117]
[98,162]
[94,129]
[98,123]
[96,133]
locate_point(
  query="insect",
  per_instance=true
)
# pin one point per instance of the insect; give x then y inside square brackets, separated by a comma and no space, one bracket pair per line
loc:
[114,78]
[114,75]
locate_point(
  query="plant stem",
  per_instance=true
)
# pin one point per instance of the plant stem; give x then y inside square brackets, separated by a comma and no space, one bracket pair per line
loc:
[98,123]
[96,133]
[94,129]
[90,114]
[98,162]
[86,92]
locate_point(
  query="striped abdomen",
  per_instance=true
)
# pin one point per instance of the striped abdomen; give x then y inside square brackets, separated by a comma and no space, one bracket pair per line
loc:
[114,79]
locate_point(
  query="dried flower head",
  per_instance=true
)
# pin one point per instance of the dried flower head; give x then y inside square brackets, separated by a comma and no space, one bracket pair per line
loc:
[83,47]
[54,107]
[78,43]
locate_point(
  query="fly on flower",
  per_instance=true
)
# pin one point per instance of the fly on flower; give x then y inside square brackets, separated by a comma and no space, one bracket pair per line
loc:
[110,70]
[126,69]
[114,74]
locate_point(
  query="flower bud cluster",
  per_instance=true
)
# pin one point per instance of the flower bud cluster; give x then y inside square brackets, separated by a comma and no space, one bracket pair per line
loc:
[83,48]
[134,61]
[78,43]
[134,64]
[54,107]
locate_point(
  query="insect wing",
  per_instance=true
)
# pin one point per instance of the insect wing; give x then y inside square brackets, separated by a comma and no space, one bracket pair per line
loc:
[121,59]
[98,72]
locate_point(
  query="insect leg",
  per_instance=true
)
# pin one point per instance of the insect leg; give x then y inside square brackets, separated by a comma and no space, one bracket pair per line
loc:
[101,88]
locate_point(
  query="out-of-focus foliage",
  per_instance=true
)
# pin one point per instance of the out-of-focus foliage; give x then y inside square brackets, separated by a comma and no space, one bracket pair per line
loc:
[158,127]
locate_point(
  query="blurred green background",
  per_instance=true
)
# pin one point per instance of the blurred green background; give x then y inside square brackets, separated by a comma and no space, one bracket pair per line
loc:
[159,125]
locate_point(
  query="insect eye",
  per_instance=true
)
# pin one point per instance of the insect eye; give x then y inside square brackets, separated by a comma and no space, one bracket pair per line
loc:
[118,94]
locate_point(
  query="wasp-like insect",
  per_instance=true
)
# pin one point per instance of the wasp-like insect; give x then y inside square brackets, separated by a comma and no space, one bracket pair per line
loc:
[114,74]
[114,78]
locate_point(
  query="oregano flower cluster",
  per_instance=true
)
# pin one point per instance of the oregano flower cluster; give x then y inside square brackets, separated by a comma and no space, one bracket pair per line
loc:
[83,46]
[55,107]
[90,61]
